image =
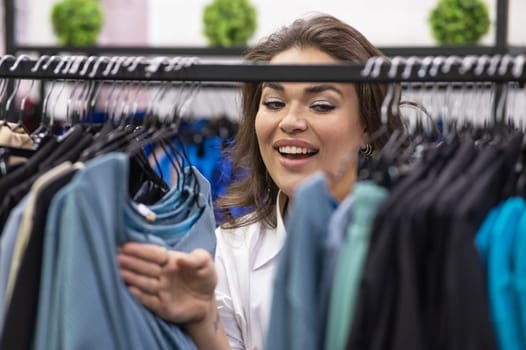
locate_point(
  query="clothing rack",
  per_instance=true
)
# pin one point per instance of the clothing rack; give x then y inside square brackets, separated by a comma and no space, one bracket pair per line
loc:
[497,68]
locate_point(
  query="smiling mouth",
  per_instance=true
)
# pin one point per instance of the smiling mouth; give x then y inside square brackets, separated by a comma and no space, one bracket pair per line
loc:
[293,152]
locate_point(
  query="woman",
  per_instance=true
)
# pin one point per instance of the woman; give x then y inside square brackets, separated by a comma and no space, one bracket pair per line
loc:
[288,132]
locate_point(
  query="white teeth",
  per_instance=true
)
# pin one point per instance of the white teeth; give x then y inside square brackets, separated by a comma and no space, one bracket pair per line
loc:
[295,150]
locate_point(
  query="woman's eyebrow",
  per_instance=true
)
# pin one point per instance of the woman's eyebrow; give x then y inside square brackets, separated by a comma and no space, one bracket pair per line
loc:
[320,88]
[315,89]
[274,86]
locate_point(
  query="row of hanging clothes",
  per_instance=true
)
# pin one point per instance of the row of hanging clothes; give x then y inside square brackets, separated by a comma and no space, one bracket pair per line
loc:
[74,190]
[428,250]
[397,264]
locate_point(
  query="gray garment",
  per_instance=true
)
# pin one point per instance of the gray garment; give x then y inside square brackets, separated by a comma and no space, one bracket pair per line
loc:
[296,310]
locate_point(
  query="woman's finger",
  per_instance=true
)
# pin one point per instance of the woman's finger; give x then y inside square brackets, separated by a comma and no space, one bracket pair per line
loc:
[149,252]
[146,284]
[138,265]
[197,259]
[151,301]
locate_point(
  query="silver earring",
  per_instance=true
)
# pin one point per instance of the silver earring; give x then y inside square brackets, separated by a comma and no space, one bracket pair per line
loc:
[366,150]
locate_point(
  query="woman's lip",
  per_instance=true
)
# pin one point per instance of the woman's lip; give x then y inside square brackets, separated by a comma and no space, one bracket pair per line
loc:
[295,143]
[294,164]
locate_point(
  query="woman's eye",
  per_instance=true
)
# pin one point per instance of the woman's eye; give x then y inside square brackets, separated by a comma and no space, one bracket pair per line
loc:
[322,107]
[273,104]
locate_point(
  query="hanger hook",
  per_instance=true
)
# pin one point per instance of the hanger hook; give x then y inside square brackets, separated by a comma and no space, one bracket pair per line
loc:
[46,98]
[518,66]
[128,61]
[395,62]
[172,63]
[436,64]
[40,60]
[422,71]
[152,68]
[75,64]
[379,60]
[48,63]
[63,59]
[70,65]
[5,58]
[408,70]
[185,99]
[24,99]
[118,63]
[112,61]
[135,63]
[467,63]
[4,86]
[17,62]
[68,102]
[113,68]
[196,84]
[481,63]
[17,83]
[368,66]
[95,69]
[155,63]
[493,64]
[450,60]
[86,65]
[504,64]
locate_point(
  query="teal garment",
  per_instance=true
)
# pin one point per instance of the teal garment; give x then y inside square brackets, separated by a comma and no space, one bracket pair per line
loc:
[332,246]
[495,241]
[368,196]
[83,302]
[519,280]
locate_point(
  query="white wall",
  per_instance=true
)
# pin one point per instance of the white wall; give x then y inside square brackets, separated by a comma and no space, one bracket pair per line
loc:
[384,22]
[516,28]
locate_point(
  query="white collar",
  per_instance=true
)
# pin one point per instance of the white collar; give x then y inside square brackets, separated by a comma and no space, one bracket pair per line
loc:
[272,240]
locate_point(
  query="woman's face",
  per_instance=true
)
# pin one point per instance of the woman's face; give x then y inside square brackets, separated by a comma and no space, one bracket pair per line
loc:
[305,127]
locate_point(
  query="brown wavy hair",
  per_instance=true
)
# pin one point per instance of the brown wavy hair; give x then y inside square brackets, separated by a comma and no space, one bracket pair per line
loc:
[257,191]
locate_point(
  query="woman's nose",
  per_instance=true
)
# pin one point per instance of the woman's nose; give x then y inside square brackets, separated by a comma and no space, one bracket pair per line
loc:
[293,122]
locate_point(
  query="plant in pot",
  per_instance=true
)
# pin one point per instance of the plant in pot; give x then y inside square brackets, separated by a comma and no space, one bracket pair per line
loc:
[77,22]
[455,22]
[229,23]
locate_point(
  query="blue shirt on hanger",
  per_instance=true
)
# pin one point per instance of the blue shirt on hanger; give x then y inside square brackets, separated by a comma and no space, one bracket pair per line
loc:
[83,302]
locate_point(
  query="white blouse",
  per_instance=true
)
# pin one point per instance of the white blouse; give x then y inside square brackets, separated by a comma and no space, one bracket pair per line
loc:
[246,259]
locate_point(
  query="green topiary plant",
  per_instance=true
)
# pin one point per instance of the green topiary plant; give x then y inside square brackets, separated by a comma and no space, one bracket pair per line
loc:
[229,22]
[459,21]
[77,22]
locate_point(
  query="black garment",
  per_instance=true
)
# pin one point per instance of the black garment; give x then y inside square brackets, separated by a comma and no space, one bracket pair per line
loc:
[21,174]
[443,217]
[468,319]
[28,167]
[405,296]
[430,246]
[67,150]
[20,318]
[378,286]
[376,306]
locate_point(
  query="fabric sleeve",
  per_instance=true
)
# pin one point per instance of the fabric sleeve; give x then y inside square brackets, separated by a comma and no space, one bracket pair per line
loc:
[225,303]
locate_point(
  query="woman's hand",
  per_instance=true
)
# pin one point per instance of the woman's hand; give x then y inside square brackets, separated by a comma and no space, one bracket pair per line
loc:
[178,287]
